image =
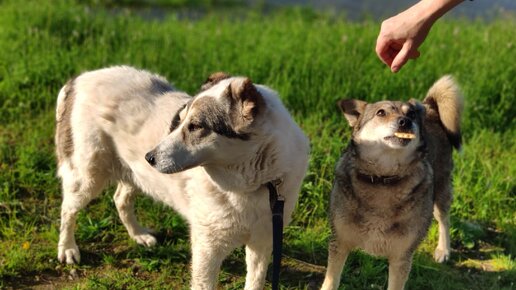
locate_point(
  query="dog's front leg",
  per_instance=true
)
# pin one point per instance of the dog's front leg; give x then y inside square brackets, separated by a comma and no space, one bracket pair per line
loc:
[337,255]
[399,269]
[257,256]
[209,248]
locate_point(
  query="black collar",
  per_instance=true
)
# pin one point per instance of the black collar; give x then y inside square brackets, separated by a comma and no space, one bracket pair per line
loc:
[382,180]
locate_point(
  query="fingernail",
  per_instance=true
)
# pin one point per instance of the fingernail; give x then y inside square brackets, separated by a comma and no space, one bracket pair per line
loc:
[395,68]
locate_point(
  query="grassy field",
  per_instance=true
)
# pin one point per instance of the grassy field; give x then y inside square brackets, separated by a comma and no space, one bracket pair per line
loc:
[312,60]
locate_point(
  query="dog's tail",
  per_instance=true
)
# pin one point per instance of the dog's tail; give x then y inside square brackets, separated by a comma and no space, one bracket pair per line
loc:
[63,137]
[445,98]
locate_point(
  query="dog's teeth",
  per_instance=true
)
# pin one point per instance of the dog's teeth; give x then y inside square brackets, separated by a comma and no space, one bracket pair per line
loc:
[405,135]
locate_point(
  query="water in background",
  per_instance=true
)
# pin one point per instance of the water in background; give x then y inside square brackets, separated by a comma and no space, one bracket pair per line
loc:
[354,10]
[380,9]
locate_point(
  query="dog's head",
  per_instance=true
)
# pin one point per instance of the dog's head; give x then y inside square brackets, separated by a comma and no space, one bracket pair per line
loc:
[212,127]
[385,125]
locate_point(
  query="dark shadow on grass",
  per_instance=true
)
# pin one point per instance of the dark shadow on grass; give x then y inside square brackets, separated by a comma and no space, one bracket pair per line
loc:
[427,274]
[115,250]
[294,273]
[297,273]
[42,280]
[475,240]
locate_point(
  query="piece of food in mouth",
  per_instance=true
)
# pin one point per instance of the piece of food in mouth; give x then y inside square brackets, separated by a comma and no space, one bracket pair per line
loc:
[404,135]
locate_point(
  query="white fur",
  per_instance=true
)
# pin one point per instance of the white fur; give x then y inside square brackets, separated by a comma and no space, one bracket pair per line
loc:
[386,155]
[116,120]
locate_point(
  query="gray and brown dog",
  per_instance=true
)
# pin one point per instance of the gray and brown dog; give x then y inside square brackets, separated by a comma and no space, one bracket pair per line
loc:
[394,173]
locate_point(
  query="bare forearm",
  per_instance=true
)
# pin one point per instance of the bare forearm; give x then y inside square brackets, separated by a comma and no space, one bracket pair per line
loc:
[434,9]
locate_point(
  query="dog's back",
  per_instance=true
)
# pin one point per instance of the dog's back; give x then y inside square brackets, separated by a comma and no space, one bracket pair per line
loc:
[106,121]
[99,108]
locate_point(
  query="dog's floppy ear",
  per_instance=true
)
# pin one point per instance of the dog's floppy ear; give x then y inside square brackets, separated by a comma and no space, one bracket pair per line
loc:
[246,103]
[352,109]
[213,79]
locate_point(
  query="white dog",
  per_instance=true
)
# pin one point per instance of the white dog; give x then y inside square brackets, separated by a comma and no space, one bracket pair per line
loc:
[222,147]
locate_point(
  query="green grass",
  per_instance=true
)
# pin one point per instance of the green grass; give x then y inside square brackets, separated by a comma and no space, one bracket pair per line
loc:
[312,60]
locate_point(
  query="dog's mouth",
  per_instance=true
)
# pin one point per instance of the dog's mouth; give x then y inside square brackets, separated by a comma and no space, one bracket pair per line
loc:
[401,138]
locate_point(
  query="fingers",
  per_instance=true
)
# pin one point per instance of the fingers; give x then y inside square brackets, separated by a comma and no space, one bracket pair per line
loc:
[388,50]
[395,53]
[382,47]
[403,56]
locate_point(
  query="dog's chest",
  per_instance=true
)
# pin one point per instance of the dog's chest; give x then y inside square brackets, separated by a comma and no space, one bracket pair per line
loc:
[380,236]
[218,209]
[381,219]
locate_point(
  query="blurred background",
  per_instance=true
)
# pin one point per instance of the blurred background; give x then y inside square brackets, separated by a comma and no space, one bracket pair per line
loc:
[312,53]
[352,9]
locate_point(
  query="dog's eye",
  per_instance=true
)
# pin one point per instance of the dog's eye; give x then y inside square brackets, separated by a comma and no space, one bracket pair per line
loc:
[411,114]
[194,127]
[380,113]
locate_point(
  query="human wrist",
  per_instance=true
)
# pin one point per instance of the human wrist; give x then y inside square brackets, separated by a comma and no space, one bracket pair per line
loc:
[431,10]
[427,11]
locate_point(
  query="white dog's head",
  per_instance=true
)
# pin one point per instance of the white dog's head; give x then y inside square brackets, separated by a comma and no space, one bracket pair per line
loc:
[385,128]
[212,127]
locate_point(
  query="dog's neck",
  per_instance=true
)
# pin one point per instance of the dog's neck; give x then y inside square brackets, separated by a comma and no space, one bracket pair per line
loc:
[377,161]
[381,180]
[276,150]
[256,169]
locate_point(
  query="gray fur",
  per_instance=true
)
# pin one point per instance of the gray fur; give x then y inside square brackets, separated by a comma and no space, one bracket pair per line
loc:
[215,118]
[391,220]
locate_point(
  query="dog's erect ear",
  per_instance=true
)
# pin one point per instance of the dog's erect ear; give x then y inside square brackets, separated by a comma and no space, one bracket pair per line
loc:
[246,102]
[352,109]
[213,79]
[420,109]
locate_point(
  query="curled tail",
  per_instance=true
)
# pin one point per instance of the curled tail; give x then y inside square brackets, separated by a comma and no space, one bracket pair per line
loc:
[445,98]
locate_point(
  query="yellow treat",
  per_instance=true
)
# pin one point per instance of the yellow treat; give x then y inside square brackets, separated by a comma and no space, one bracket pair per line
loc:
[405,135]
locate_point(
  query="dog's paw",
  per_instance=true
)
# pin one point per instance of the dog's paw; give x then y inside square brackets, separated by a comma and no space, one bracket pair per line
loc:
[441,255]
[69,255]
[146,240]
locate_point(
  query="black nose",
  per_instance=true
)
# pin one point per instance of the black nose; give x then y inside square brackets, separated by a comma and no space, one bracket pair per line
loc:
[150,158]
[404,123]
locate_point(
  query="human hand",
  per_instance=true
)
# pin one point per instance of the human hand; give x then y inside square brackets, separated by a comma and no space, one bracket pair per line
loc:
[401,35]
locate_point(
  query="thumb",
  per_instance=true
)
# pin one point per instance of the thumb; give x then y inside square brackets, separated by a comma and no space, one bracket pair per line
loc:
[402,57]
